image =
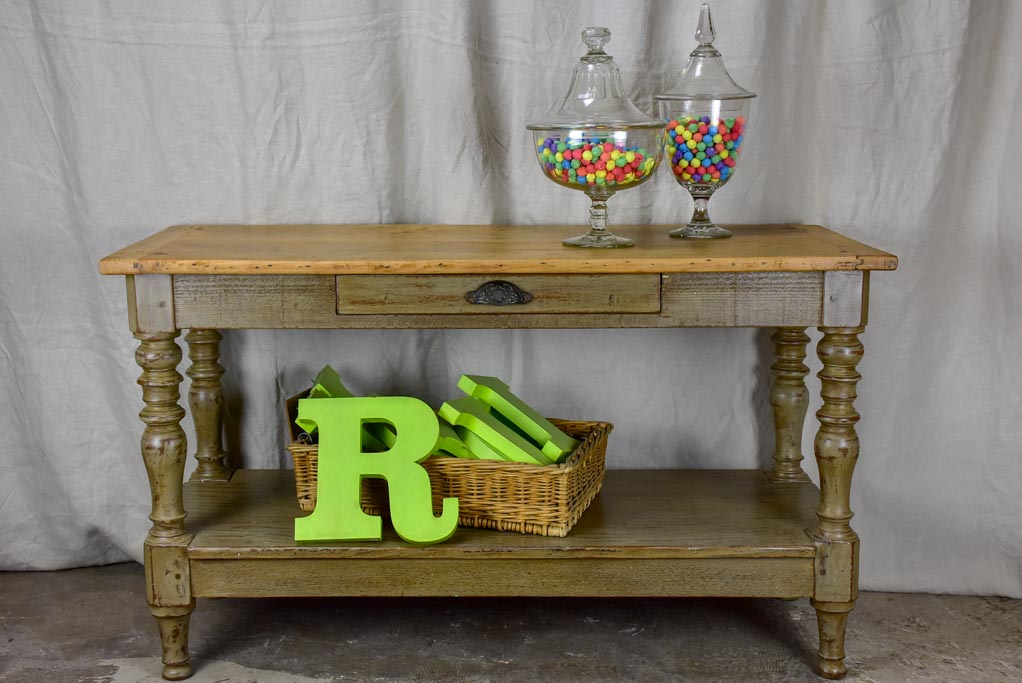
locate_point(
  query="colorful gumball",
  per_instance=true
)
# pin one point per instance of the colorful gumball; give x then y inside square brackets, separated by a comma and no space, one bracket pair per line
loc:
[595,161]
[715,144]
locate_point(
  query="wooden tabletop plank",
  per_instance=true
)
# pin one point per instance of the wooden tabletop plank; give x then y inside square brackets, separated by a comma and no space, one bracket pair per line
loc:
[482,249]
[640,513]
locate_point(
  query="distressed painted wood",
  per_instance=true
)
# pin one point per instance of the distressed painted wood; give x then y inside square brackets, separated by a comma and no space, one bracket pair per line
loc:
[508,576]
[205,398]
[845,298]
[478,249]
[169,594]
[173,625]
[163,440]
[837,444]
[168,574]
[832,618]
[151,303]
[640,514]
[689,300]
[256,301]
[743,299]
[649,533]
[164,452]
[428,294]
[789,400]
[837,449]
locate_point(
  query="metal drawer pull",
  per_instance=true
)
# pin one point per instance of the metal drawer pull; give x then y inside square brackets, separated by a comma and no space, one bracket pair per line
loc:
[498,293]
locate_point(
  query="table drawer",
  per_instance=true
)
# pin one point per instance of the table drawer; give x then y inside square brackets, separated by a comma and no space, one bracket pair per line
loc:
[497,294]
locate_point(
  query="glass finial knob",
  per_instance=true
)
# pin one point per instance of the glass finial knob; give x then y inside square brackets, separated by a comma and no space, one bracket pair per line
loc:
[704,31]
[595,37]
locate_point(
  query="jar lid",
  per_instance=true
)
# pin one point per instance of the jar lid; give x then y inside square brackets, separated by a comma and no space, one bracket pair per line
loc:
[596,98]
[705,77]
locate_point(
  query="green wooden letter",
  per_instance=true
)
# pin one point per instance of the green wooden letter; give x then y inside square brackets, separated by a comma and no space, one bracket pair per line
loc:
[479,449]
[343,464]
[475,417]
[555,444]
[451,443]
[328,384]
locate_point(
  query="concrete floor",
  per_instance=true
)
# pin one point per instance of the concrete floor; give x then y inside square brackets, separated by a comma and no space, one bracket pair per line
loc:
[93,625]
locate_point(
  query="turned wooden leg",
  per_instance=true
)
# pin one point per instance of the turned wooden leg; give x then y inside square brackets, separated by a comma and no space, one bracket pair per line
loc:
[168,586]
[206,401]
[173,625]
[789,399]
[163,441]
[837,449]
[831,618]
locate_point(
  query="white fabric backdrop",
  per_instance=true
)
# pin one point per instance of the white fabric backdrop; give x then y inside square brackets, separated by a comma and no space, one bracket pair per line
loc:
[893,122]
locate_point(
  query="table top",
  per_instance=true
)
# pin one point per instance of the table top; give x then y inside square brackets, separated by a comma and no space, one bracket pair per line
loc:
[476,249]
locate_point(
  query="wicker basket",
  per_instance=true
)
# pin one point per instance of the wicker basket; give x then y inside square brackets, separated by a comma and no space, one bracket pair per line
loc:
[506,496]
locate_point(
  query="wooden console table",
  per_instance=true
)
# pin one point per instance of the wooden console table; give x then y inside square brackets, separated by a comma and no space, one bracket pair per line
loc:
[703,533]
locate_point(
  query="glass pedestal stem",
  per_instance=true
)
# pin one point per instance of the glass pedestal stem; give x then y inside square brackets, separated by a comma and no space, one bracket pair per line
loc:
[598,218]
[701,227]
[700,215]
[598,235]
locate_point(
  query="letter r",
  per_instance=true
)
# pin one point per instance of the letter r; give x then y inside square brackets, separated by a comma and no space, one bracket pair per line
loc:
[342,466]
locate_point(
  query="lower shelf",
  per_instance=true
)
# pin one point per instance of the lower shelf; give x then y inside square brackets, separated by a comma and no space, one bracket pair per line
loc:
[649,533]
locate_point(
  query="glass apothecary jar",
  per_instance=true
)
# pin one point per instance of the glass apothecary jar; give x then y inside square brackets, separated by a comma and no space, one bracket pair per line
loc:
[597,141]
[706,117]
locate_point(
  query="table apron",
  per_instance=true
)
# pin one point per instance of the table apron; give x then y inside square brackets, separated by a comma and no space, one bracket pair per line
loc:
[767,299]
